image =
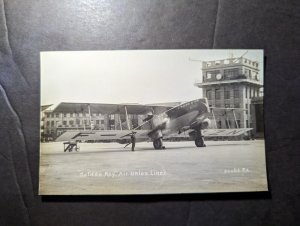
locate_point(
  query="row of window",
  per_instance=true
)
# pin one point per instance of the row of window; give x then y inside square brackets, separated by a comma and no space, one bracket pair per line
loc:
[236,93]
[233,73]
[69,115]
[237,60]
[72,122]
[250,92]
[57,115]
[235,105]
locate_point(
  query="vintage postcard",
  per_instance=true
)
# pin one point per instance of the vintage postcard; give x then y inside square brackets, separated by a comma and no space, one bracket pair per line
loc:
[152,122]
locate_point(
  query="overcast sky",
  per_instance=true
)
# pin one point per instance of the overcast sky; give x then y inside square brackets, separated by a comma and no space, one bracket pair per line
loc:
[134,76]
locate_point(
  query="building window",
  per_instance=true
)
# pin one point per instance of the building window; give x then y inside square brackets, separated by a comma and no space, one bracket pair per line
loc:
[226,93]
[247,124]
[48,123]
[237,105]
[71,122]
[57,115]
[65,115]
[77,121]
[231,73]
[97,122]
[209,94]
[208,75]
[246,106]
[52,123]
[212,74]
[64,123]
[102,122]
[218,94]
[47,115]
[248,73]
[236,92]
[219,124]
[256,76]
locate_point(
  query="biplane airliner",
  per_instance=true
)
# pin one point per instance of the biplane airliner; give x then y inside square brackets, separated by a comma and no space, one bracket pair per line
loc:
[159,122]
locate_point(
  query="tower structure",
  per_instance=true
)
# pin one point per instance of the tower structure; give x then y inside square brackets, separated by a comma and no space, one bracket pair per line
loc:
[231,83]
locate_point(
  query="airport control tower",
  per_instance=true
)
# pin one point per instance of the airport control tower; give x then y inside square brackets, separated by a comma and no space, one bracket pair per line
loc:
[231,83]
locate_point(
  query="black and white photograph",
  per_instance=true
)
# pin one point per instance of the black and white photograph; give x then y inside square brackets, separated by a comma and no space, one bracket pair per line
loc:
[135,122]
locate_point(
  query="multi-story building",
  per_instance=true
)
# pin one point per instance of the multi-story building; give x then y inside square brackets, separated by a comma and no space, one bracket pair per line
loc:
[231,83]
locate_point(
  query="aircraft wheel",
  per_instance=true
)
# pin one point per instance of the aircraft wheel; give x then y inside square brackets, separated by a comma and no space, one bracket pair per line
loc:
[200,142]
[157,143]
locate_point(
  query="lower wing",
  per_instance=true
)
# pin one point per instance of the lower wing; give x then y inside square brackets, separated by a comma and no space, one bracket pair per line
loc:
[103,135]
[224,132]
[211,133]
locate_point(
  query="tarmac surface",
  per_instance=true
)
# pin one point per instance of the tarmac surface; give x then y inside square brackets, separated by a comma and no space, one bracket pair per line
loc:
[109,168]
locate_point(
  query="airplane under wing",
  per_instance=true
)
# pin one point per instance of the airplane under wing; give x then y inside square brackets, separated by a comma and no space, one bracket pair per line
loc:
[121,136]
[224,132]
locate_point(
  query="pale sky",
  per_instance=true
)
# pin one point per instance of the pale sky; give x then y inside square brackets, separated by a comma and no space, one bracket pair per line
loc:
[127,76]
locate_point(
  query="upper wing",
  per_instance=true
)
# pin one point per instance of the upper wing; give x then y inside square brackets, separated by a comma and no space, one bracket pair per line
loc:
[92,108]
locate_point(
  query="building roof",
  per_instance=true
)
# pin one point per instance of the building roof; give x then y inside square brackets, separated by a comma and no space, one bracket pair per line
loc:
[44,107]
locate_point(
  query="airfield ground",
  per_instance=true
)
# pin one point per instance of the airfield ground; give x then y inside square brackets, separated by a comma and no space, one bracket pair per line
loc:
[109,168]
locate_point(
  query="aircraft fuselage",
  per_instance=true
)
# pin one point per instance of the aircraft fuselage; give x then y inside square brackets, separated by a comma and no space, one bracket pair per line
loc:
[188,115]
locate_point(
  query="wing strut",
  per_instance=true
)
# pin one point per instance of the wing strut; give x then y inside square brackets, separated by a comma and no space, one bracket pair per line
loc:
[236,124]
[90,117]
[128,126]
[212,111]
[120,121]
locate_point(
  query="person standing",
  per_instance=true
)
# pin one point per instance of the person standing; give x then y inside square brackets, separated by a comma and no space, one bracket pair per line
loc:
[132,141]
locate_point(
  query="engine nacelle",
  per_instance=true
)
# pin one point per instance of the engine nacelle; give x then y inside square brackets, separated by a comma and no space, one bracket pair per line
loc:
[205,124]
[149,116]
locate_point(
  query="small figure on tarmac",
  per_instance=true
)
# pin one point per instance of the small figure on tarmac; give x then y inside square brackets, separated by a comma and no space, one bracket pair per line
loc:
[132,138]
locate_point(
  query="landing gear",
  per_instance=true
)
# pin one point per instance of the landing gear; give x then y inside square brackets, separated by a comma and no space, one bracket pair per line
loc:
[158,144]
[199,141]
[71,145]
